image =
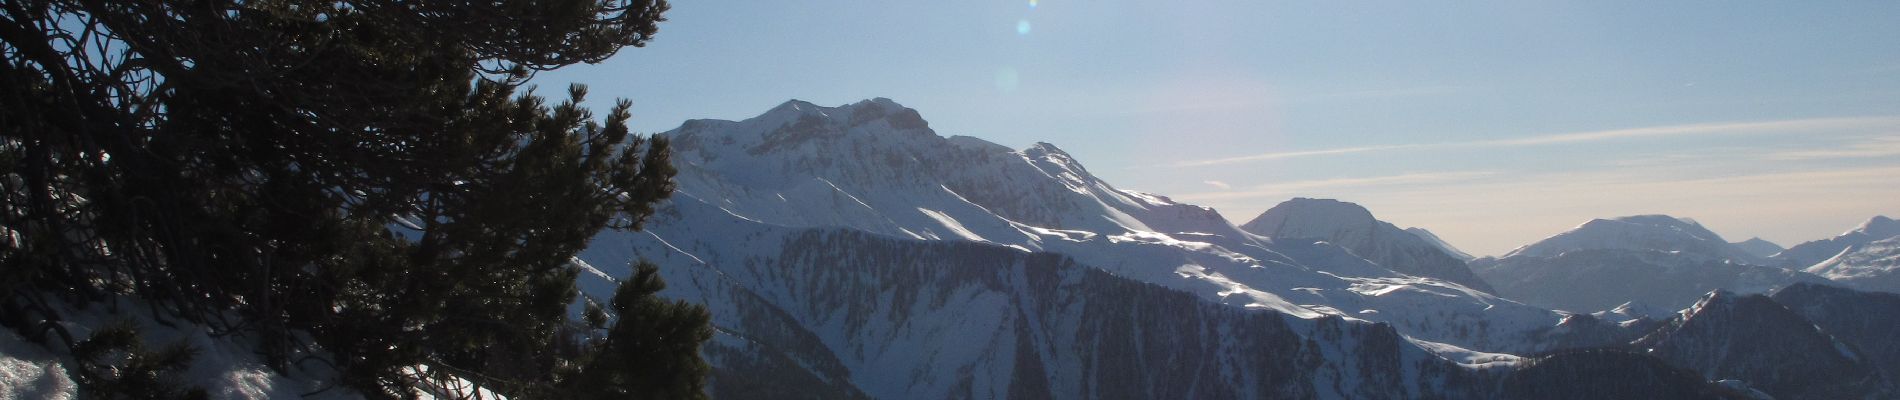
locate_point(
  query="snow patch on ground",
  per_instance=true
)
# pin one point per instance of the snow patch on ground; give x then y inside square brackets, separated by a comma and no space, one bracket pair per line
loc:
[28,371]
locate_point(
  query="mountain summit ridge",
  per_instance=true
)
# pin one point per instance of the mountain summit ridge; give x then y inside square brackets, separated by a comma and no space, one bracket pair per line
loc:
[1352,226]
[1807,254]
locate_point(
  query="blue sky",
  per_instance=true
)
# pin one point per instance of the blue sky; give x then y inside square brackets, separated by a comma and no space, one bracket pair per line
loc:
[1493,124]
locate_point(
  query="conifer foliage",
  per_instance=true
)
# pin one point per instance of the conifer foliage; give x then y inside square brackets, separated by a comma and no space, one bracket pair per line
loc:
[365,174]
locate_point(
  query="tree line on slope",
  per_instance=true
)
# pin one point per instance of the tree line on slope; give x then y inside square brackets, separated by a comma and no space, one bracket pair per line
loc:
[362,183]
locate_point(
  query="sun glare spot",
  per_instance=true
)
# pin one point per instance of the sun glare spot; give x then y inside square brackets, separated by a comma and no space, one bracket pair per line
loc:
[1022,27]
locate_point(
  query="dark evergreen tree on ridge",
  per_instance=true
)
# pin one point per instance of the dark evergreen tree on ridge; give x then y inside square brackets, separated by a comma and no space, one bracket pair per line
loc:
[240,165]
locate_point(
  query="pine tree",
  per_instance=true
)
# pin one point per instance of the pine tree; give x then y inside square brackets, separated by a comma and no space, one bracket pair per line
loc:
[367,172]
[651,349]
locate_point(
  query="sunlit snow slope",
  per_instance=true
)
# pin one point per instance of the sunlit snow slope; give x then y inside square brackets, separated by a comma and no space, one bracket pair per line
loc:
[885,260]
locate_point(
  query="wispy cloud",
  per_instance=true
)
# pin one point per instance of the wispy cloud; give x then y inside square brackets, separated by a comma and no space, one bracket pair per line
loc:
[1293,154]
[1260,98]
[1873,147]
[1283,189]
[1801,126]
[1219,184]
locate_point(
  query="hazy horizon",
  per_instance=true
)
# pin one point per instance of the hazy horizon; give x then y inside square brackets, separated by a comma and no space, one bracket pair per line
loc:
[1493,125]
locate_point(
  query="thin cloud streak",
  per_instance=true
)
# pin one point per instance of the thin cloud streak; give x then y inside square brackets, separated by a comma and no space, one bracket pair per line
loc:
[1734,128]
[1877,147]
[1295,187]
[1293,154]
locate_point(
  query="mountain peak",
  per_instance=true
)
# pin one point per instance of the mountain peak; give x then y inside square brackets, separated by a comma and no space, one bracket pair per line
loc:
[1759,247]
[1353,227]
[1879,226]
[1330,211]
[848,115]
[1658,219]
[1684,225]
[1806,255]
[794,105]
[1041,148]
[1715,298]
[1640,232]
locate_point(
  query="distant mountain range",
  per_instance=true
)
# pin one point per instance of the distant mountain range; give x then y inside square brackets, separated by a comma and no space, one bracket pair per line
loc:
[1653,260]
[853,252]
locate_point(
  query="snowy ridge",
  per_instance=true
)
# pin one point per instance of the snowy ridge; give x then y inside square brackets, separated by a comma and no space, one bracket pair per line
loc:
[1640,232]
[1353,227]
[876,167]
[1632,310]
[1602,279]
[1758,247]
[1805,255]
[1655,260]
[893,317]
[1441,243]
[856,314]
[1867,266]
[875,257]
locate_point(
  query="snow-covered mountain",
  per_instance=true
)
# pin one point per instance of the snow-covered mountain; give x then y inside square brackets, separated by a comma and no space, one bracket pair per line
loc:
[1753,339]
[875,166]
[1353,227]
[1805,255]
[1603,279]
[854,249]
[1441,243]
[1656,260]
[1759,247]
[1640,232]
[851,252]
[1867,266]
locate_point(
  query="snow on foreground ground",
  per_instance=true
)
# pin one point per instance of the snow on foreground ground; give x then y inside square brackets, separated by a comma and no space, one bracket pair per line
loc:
[226,367]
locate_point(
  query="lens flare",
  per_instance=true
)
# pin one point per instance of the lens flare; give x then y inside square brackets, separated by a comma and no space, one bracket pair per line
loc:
[1032,4]
[1022,27]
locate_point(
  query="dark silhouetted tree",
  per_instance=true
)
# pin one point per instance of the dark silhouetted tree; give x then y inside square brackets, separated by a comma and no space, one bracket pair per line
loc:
[362,171]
